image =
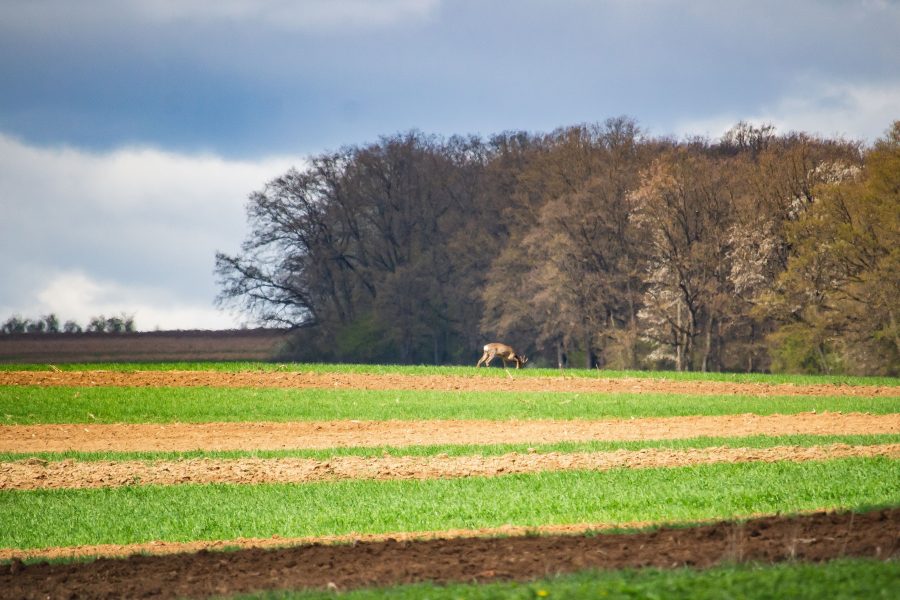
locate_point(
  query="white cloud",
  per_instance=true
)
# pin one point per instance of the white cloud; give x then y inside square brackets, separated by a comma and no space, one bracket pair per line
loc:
[134,230]
[74,295]
[852,111]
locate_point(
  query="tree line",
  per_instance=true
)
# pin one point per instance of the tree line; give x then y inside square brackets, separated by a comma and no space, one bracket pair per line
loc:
[595,245]
[50,324]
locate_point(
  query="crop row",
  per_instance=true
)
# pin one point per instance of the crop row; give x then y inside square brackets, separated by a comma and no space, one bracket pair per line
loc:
[27,405]
[452,450]
[462,371]
[139,513]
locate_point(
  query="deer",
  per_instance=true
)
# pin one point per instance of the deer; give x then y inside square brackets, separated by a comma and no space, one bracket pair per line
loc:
[506,353]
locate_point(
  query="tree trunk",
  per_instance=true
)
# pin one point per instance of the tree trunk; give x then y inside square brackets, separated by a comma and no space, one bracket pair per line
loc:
[719,345]
[707,352]
[561,358]
[894,330]
[688,344]
[753,342]
[689,336]
[823,359]
[633,328]
[589,357]
[679,347]
[437,353]
[687,350]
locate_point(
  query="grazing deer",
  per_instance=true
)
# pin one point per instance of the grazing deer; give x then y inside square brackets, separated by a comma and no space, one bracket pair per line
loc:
[506,353]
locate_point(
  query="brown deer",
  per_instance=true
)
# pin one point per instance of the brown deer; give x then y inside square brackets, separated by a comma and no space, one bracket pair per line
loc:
[506,353]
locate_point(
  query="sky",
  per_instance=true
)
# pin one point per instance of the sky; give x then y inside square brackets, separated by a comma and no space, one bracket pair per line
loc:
[133,131]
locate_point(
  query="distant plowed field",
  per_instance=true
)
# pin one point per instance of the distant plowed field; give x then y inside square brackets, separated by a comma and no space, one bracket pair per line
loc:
[432,477]
[239,344]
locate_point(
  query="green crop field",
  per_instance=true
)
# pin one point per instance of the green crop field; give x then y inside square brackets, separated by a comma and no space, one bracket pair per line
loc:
[37,520]
[131,514]
[803,441]
[29,405]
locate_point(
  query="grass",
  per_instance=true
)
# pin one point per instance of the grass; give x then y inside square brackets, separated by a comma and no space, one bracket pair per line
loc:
[758,441]
[25,405]
[42,518]
[466,371]
[838,579]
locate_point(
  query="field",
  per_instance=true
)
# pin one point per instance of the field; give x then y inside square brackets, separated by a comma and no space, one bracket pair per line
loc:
[302,481]
[231,345]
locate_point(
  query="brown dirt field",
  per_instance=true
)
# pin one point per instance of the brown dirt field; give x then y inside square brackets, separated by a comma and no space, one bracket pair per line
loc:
[430,382]
[395,433]
[193,345]
[39,474]
[816,537]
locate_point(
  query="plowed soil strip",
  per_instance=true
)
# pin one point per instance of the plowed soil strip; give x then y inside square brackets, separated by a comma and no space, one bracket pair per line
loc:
[430,382]
[333,434]
[37,474]
[816,537]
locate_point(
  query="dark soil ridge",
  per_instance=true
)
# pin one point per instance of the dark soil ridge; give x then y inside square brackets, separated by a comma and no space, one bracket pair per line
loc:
[817,537]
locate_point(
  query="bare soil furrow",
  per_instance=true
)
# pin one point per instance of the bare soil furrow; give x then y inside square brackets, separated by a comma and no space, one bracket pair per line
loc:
[285,379]
[814,537]
[396,433]
[39,474]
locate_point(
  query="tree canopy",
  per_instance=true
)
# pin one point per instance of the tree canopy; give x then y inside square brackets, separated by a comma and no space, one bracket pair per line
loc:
[593,244]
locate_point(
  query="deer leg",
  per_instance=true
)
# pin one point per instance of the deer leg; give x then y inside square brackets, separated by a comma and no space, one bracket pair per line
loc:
[483,356]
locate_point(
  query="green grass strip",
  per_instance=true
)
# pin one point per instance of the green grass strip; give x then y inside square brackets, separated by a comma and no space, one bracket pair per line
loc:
[757,441]
[25,405]
[466,371]
[838,579]
[42,518]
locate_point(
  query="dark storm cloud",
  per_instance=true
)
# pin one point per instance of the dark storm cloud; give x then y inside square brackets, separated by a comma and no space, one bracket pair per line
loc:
[244,78]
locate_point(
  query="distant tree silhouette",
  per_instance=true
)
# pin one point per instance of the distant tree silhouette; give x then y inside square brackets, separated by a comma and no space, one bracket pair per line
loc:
[50,324]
